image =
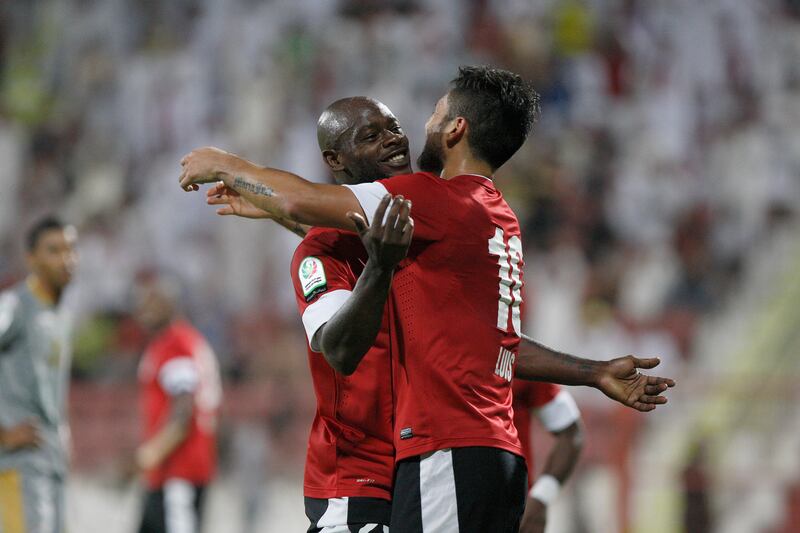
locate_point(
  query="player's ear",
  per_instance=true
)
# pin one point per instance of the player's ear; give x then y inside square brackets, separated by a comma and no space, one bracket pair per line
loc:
[333,160]
[455,131]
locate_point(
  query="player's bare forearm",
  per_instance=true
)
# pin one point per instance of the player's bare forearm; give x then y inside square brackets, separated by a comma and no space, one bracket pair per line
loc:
[619,378]
[350,333]
[565,453]
[161,445]
[23,435]
[280,193]
[295,227]
[537,362]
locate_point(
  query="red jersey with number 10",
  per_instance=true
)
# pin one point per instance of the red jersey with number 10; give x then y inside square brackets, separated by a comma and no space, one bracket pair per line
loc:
[455,315]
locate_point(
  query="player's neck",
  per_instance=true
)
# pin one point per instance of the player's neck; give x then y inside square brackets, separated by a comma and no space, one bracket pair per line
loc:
[44,292]
[458,165]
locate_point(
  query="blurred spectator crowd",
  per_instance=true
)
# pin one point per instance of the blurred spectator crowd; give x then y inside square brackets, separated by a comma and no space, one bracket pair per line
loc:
[667,150]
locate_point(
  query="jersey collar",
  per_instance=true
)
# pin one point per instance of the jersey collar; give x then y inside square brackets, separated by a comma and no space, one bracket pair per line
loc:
[41,295]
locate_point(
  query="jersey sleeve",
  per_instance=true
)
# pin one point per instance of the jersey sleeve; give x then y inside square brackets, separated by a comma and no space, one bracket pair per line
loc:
[9,318]
[322,284]
[428,198]
[541,393]
[179,375]
[559,413]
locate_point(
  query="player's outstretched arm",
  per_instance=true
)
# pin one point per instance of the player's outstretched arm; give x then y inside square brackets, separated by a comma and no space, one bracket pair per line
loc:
[280,193]
[234,203]
[619,379]
[350,333]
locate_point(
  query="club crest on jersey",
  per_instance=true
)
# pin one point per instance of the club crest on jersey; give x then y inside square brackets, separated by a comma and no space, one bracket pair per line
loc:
[312,277]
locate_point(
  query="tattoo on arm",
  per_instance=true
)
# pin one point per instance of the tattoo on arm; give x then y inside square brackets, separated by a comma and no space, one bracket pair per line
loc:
[298,230]
[556,366]
[255,188]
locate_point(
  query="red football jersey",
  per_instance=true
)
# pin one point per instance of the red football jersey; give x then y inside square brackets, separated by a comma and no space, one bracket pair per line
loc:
[179,360]
[350,450]
[529,395]
[456,313]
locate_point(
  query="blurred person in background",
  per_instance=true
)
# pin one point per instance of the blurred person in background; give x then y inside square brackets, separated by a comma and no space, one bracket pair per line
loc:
[35,353]
[558,413]
[180,395]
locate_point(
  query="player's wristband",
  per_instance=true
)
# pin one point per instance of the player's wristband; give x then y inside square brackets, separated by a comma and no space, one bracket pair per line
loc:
[546,489]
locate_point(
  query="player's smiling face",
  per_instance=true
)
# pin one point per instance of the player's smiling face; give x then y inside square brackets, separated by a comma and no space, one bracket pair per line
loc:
[374,146]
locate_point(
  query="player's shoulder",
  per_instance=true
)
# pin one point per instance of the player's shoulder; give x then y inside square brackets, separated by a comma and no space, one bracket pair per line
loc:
[10,297]
[415,179]
[179,338]
[9,309]
[16,298]
[333,243]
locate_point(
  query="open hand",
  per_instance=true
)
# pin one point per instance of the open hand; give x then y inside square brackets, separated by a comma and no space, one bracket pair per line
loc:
[23,435]
[203,165]
[620,380]
[386,243]
[233,203]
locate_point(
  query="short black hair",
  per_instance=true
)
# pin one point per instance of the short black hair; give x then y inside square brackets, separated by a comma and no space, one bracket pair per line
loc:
[41,226]
[500,108]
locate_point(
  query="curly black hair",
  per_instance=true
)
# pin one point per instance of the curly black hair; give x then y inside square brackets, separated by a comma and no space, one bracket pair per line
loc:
[500,108]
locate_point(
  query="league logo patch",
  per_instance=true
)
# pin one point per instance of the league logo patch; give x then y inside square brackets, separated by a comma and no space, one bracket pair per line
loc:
[312,277]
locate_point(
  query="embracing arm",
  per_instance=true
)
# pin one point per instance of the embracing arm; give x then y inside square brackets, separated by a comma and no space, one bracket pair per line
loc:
[350,333]
[619,378]
[233,203]
[281,194]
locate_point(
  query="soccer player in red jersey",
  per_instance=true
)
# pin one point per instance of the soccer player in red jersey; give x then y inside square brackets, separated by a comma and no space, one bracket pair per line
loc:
[350,459]
[350,456]
[456,308]
[558,413]
[180,395]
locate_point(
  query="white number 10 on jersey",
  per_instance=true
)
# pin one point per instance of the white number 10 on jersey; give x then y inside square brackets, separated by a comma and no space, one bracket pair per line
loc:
[509,257]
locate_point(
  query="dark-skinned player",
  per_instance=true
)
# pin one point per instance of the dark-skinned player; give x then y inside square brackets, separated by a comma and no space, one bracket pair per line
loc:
[350,456]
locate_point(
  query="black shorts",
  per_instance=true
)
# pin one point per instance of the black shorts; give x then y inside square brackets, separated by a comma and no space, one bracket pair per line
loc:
[177,507]
[460,490]
[354,515]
